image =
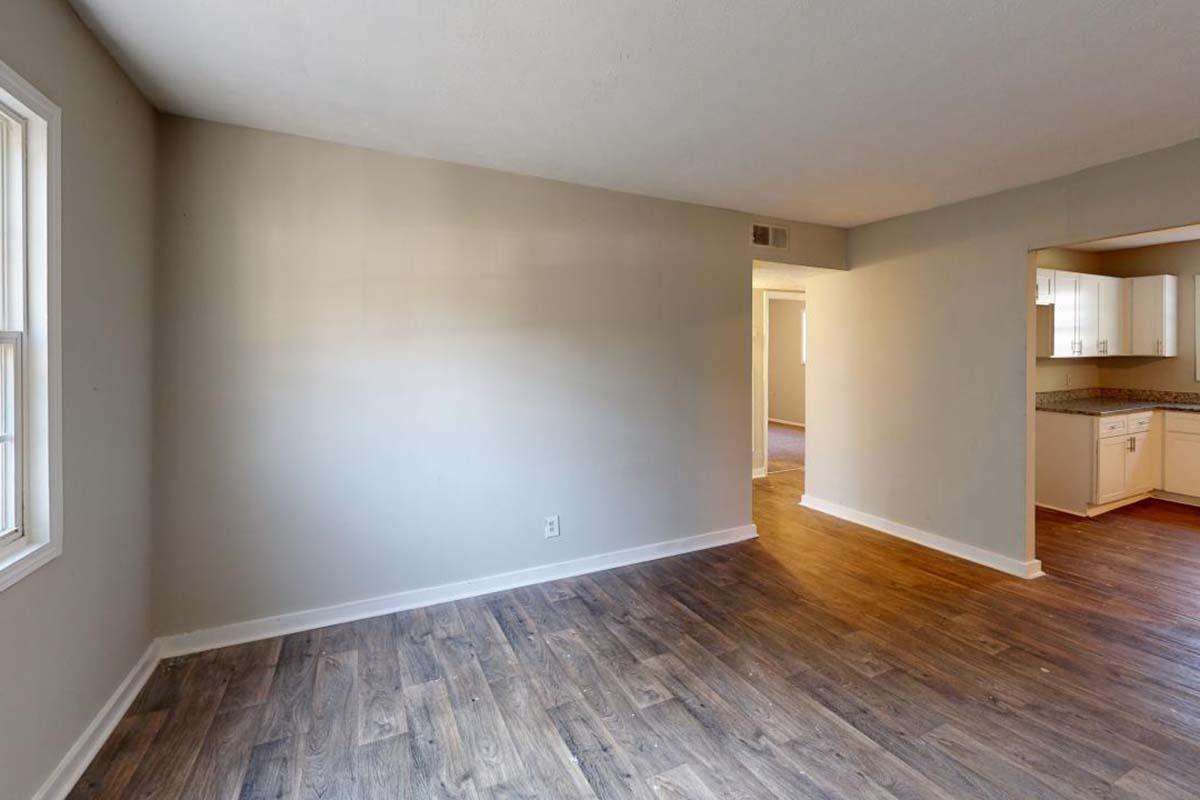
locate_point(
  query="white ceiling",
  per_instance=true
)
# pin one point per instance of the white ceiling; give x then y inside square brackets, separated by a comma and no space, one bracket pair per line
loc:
[1185,233]
[838,111]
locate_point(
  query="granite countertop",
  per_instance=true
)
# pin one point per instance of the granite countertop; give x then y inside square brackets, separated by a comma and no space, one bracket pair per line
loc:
[1099,407]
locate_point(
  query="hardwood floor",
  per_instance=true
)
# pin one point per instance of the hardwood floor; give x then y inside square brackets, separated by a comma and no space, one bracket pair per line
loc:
[820,661]
[785,447]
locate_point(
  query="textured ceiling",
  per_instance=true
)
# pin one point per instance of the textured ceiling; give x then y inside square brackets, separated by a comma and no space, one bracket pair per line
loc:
[838,111]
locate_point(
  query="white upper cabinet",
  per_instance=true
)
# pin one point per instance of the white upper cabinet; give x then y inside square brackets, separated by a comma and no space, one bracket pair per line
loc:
[1155,315]
[1087,315]
[1045,287]
[1079,317]
[1113,316]
[1099,315]
[1066,304]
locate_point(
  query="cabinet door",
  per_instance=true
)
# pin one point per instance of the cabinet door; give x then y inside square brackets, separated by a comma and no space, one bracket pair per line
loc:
[1113,319]
[1110,469]
[1155,315]
[1087,315]
[1181,463]
[1045,287]
[1139,464]
[1066,291]
[1170,315]
[1146,316]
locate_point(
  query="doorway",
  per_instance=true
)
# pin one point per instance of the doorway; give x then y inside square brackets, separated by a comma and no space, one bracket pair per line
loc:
[785,359]
[785,299]
[1115,335]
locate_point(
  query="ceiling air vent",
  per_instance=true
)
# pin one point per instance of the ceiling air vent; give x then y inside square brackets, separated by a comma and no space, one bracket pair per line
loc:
[773,236]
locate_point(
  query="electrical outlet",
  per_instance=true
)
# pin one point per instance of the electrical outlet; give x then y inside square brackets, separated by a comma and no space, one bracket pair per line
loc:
[551,527]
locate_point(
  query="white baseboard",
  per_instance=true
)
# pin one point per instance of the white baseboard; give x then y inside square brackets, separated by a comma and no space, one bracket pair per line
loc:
[759,472]
[988,558]
[1095,511]
[71,768]
[251,630]
[1171,497]
[785,422]
[1063,510]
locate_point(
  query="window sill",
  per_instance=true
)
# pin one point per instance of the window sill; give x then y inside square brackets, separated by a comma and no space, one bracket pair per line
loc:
[24,560]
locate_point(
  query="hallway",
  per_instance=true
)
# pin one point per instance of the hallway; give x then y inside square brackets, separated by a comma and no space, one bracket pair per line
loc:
[785,447]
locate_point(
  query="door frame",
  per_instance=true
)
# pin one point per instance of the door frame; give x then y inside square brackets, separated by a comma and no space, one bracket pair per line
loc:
[801,296]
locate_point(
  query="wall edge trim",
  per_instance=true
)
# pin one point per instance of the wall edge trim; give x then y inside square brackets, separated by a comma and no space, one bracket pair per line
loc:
[934,541]
[282,624]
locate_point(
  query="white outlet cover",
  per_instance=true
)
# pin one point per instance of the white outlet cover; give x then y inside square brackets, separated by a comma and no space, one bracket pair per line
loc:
[551,527]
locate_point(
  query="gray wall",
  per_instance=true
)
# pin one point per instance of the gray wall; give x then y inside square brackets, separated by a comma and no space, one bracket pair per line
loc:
[379,373]
[72,630]
[785,381]
[758,401]
[920,412]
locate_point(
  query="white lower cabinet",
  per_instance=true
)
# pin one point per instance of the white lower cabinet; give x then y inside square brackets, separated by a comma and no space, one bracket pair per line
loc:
[1127,457]
[1088,465]
[1141,462]
[1181,458]
[1111,476]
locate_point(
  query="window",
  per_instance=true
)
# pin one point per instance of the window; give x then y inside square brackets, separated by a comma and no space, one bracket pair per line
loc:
[12,281]
[30,470]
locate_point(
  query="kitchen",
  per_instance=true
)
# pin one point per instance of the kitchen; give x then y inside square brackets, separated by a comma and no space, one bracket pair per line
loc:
[1118,406]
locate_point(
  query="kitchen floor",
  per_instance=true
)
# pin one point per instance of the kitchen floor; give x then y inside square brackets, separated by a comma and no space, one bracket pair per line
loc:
[785,447]
[1143,558]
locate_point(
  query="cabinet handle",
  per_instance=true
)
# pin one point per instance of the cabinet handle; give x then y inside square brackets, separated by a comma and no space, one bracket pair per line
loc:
[1131,444]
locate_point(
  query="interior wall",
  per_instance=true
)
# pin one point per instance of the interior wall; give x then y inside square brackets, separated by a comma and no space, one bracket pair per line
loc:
[924,406]
[1169,374]
[379,373]
[758,398]
[72,630]
[785,379]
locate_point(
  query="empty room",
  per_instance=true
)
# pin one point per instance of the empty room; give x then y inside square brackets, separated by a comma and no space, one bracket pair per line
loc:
[588,400]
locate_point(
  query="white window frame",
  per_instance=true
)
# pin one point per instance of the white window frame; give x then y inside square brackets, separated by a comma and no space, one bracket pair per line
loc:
[30,322]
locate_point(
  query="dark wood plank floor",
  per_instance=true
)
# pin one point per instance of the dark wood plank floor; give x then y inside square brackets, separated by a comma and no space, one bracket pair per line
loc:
[785,447]
[820,661]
